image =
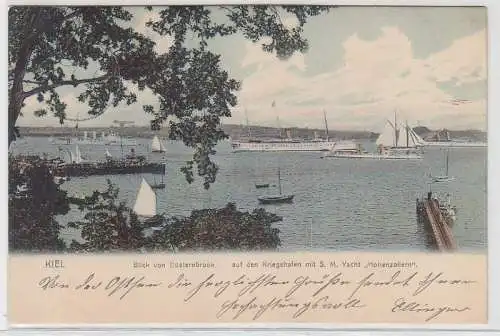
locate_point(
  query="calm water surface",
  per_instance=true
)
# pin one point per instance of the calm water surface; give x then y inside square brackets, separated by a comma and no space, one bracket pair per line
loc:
[339,204]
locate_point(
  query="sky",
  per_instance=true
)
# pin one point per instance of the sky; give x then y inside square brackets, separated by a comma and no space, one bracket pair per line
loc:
[363,65]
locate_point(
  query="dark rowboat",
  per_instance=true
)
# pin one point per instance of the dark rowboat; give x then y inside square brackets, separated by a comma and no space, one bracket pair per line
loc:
[276,199]
[261,185]
[158,186]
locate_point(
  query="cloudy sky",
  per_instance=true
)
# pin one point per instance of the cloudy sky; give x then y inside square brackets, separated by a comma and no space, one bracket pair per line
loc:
[363,64]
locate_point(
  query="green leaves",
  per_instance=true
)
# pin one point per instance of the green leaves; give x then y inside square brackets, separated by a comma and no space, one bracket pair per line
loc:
[35,201]
[219,229]
[108,225]
[192,89]
[40,113]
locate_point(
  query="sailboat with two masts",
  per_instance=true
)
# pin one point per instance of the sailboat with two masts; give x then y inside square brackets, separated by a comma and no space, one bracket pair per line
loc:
[389,145]
[446,177]
[280,198]
[399,138]
[76,156]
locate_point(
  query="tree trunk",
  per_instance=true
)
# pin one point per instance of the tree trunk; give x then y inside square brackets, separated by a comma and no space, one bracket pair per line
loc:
[16,94]
[15,103]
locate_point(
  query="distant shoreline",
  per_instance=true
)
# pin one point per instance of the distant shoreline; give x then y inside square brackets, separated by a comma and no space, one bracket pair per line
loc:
[236,132]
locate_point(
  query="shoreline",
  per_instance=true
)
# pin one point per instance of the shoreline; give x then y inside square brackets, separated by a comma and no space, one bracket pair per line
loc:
[235,132]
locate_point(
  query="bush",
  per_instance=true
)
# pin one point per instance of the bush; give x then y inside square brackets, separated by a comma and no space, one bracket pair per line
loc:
[34,202]
[219,229]
[108,225]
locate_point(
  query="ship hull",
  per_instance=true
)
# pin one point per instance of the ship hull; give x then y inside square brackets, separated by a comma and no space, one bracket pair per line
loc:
[455,144]
[276,199]
[322,146]
[79,170]
[73,141]
[375,156]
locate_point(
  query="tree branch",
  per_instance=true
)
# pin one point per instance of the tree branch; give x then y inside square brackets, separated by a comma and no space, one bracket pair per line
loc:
[76,82]
[32,82]
[71,15]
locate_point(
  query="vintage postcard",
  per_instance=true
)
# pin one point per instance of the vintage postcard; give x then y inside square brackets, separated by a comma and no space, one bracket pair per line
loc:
[232,164]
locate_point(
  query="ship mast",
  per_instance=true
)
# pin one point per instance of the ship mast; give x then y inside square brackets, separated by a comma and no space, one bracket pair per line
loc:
[279,180]
[273,105]
[326,125]
[248,125]
[407,135]
[447,161]
[396,135]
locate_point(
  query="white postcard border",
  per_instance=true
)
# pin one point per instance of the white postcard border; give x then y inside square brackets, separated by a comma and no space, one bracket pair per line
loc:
[493,178]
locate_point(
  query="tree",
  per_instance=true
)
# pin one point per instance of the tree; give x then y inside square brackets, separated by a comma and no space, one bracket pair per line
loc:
[192,89]
[34,202]
[219,229]
[108,225]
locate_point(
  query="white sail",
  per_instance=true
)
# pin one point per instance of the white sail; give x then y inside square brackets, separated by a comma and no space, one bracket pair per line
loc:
[416,138]
[408,138]
[71,156]
[162,147]
[387,137]
[145,203]
[108,154]
[78,155]
[156,145]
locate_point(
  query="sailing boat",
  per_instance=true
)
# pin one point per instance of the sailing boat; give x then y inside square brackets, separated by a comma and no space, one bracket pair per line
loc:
[446,177]
[157,146]
[78,156]
[108,154]
[389,145]
[145,203]
[281,198]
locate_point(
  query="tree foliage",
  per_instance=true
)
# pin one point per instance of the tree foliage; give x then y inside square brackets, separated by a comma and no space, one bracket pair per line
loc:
[34,202]
[192,89]
[219,229]
[108,225]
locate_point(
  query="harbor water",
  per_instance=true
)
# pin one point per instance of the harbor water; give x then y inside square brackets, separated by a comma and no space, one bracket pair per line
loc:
[339,204]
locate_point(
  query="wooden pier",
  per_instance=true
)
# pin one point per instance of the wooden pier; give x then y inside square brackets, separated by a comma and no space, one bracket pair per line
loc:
[429,213]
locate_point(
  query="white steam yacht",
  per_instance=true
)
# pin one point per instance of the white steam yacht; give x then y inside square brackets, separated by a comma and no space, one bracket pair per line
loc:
[287,144]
